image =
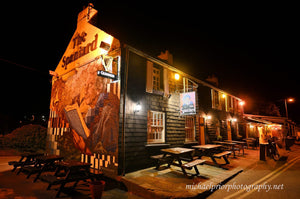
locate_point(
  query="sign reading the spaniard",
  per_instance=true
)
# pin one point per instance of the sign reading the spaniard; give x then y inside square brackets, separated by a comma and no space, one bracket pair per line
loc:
[187,103]
[87,44]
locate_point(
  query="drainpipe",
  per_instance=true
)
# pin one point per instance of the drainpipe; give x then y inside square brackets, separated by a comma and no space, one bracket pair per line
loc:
[124,108]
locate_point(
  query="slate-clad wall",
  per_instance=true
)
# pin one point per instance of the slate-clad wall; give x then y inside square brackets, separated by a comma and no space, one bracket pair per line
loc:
[137,150]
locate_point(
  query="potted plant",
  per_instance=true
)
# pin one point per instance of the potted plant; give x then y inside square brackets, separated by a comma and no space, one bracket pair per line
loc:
[97,188]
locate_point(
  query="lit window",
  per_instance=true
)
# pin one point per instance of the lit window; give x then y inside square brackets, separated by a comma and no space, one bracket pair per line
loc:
[215,99]
[156,127]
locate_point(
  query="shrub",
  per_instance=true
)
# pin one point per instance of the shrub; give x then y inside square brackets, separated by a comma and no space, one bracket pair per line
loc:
[27,138]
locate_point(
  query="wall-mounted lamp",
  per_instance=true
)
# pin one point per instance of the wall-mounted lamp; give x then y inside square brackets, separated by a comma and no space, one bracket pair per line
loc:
[137,108]
[241,103]
[233,120]
[177,76]
[208,117]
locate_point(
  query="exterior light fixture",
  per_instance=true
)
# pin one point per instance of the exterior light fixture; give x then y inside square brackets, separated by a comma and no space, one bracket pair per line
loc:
[241,103]
[208,117]
[234,119]
[137,108]
[177,76]
[223,95]
[288,100]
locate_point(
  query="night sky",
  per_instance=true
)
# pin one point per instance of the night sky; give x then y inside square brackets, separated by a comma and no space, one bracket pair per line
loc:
[251,48]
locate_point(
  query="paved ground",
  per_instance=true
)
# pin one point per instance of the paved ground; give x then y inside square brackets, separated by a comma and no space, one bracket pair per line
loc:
[283,174]
[171,183]
[14,186]
[272,179]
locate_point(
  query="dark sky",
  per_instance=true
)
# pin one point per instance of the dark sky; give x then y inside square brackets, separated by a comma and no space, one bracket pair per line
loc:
[251,48]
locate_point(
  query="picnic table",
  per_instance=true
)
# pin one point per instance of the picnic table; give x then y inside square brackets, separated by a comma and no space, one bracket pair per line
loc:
[42,164]
[240,143]
[26,159]
[178,154]
[66,172]
[251,141]
[231,146]
[213,151]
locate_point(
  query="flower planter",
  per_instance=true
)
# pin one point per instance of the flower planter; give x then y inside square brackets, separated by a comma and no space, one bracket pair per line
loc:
[97,187]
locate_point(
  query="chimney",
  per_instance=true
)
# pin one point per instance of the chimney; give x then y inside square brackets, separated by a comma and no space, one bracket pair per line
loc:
[213,80]
[88,14]
[167,56]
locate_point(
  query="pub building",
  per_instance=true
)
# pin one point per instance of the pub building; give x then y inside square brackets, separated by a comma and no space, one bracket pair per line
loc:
[114,106]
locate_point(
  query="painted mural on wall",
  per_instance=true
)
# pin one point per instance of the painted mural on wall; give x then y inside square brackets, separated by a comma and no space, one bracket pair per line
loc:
[85,104]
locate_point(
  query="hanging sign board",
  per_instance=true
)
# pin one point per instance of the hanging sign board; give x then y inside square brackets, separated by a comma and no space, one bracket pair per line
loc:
[187,103]
[103,73]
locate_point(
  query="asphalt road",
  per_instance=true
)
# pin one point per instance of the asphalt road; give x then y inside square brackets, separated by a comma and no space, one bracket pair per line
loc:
[269,179]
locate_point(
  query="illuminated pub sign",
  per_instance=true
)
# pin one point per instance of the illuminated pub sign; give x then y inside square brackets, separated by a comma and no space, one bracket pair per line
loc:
[187,103]
[85,98]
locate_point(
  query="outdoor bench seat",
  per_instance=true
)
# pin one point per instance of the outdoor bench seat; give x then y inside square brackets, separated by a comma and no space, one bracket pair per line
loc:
[189,159]
[193,163]
[18,164]
[13,162]
[223,154]
[55,180]
[160,156]
[161,159]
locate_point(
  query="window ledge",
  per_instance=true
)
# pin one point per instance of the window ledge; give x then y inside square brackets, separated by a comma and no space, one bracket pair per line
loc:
[191,142]
[157,145]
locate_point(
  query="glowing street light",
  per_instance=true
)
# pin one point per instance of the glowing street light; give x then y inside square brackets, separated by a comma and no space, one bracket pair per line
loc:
[290,100]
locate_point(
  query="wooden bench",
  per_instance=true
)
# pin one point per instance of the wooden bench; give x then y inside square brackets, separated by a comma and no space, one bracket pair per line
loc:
[67,172]
[223,154]
[161,159]
[17,164]
[194,163]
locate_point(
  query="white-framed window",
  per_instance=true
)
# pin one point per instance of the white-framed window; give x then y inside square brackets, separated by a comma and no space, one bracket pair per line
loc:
[156,127]
[189,128]
[157,79]
[215,98]
[189,85]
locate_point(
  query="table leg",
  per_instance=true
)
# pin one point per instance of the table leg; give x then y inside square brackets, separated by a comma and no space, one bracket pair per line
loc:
[214,160]
[226,160]
[60,189]
[171,162]
[180,164]
[243,149]
[233,150]
[40,172]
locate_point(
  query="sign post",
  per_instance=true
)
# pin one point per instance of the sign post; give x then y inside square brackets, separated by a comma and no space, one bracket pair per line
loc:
[187,103]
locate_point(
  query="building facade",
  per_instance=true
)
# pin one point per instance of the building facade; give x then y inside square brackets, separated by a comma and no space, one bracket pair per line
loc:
[114,106]
[167,107]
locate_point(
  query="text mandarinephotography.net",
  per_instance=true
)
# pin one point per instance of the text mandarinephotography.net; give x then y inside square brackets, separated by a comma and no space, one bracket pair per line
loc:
[234,186]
